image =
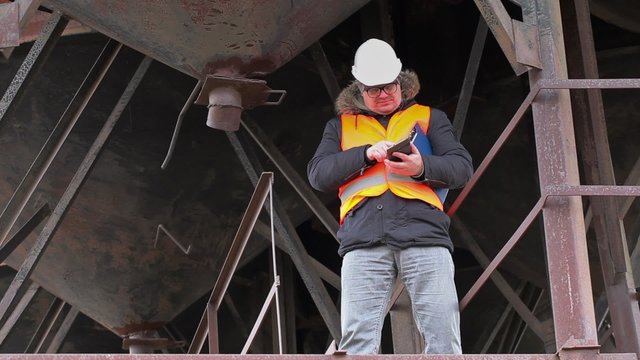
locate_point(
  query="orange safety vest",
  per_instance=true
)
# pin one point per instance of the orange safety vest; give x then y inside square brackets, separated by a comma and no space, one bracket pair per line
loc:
[358,130]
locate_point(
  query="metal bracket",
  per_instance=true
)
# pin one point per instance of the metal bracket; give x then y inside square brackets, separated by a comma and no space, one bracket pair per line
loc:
[9,25]
[186,250]
[525,40]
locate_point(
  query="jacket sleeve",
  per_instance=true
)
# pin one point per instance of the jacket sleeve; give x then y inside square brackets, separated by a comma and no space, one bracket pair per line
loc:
[331,167]
[450,161]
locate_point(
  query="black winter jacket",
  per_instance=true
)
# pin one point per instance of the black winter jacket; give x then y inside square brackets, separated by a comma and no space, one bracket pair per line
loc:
[388,219]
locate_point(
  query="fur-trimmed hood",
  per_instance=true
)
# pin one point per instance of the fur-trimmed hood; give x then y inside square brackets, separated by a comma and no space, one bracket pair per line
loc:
[350,99]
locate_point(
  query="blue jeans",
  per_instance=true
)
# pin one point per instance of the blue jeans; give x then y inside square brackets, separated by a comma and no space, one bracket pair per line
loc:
[368,276]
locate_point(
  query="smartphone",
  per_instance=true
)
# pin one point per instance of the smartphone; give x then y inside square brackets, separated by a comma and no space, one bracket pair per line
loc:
[403,146]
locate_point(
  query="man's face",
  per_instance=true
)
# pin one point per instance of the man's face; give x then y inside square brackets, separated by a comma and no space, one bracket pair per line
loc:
[382,99]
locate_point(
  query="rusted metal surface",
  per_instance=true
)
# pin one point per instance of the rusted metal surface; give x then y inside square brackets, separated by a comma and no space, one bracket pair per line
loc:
[526,44]
[71,191]
[337,356]
[500,24]
[208,37]
[9,25]
[501,283]
[227,97]
[24,231]
[515,120]
[565,237]
[56,139]
[32,64]
[593,142]
[233,257]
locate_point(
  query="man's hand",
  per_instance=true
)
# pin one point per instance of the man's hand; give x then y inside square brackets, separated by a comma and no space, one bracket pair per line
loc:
[409,165]
[378,151]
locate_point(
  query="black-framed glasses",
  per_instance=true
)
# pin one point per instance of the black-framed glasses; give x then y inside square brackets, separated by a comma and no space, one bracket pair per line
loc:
[374,91]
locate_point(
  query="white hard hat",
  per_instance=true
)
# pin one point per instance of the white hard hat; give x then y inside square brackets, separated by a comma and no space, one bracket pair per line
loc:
[375,63]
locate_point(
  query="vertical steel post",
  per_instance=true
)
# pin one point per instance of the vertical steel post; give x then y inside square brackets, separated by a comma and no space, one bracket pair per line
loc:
[567,261]
[593,140]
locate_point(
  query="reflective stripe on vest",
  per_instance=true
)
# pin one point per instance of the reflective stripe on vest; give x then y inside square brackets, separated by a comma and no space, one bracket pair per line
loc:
[359,130]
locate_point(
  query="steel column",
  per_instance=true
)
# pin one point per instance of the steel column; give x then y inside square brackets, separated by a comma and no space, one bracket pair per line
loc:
[71,191]
[501,283]
[296,250]
[593,140]
[32,64]
[56,139]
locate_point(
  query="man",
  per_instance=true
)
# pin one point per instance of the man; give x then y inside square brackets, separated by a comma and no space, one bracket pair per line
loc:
[392,222]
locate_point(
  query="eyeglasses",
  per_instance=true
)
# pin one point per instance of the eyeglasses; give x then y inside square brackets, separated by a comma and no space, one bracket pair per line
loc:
[389,89]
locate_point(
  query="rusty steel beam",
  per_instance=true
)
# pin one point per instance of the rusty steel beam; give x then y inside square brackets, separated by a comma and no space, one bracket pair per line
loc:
[24,231]
[592,137]
[46,325]
[405,335]
[260,319]
[295,248]
[18,310]
[470,75]
[70,192]
[63,330]
[501,26]
[32,64]
[501,283]
[56,139]
[9,25]
[515,120]
[240,240]
[620,356]
[296,181]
